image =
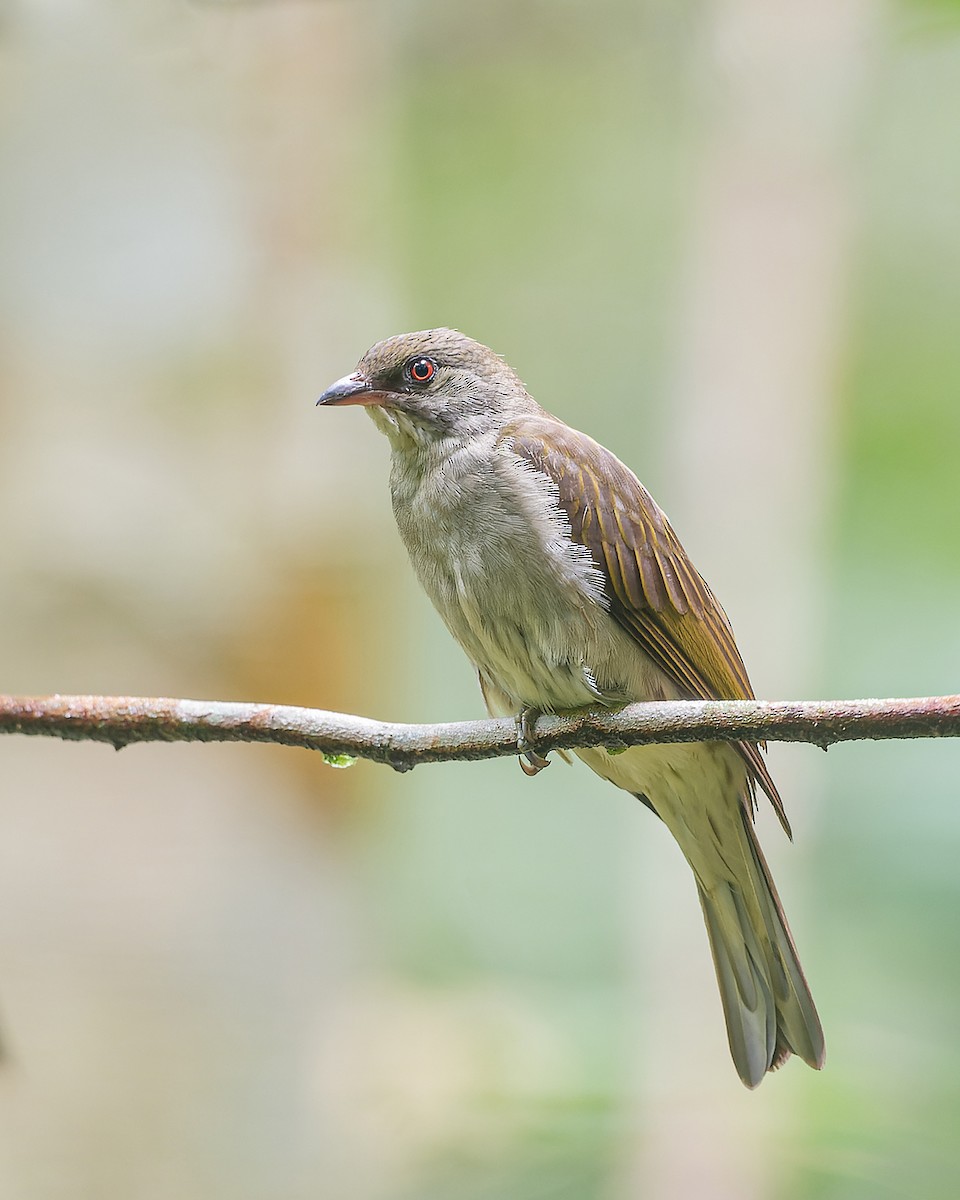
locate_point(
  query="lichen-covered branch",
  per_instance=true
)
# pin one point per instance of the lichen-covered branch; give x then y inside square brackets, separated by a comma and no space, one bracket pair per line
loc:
[121,720]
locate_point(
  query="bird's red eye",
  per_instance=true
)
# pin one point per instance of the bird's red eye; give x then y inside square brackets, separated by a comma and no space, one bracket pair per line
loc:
[421,370]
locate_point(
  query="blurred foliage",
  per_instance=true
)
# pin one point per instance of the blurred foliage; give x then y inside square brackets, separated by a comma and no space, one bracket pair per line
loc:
[452,989]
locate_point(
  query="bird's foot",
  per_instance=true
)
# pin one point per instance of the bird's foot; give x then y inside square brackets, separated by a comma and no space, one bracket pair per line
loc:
[531,763]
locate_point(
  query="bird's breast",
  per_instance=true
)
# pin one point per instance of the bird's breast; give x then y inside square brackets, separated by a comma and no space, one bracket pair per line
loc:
[493,551]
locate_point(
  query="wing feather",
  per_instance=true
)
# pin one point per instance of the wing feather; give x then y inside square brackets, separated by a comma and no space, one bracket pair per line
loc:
[655,592]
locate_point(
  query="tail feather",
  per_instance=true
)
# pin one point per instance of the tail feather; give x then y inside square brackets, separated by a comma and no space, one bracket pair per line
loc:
[767,1004]
[748,1004]
[701,792]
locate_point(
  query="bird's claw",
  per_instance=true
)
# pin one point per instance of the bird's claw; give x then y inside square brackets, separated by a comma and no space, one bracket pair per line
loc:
[531,763]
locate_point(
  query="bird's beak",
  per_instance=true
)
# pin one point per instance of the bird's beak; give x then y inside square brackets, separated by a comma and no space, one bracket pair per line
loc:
[352,389]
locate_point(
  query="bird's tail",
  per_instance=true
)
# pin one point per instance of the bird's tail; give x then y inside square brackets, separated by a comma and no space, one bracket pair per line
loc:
[767,1004]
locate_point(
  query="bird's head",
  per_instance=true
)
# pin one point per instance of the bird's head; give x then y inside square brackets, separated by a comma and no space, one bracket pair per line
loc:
[432,385]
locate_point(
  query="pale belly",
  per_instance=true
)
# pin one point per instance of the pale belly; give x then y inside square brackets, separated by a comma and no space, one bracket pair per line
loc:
[533,640]
[494,553]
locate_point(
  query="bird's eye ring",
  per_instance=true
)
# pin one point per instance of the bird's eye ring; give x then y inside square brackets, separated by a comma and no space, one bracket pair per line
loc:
[421,370]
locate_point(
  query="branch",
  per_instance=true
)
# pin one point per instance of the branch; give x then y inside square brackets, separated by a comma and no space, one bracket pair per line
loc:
[121,720]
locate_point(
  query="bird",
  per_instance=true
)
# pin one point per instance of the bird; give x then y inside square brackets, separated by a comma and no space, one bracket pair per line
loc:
[565,584]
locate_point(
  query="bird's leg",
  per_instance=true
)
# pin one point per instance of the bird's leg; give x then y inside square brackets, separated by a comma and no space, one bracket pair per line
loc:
[531,763]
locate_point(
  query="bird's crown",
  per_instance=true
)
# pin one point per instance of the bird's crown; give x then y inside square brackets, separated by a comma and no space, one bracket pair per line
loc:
[449,351]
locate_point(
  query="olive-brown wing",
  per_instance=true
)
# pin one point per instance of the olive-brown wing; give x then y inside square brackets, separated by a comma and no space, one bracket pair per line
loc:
[655,592]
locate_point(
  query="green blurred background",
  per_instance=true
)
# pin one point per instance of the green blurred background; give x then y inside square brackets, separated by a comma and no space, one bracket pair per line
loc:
[722,237]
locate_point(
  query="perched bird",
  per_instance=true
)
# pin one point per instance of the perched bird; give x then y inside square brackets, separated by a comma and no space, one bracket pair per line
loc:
[567,588]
